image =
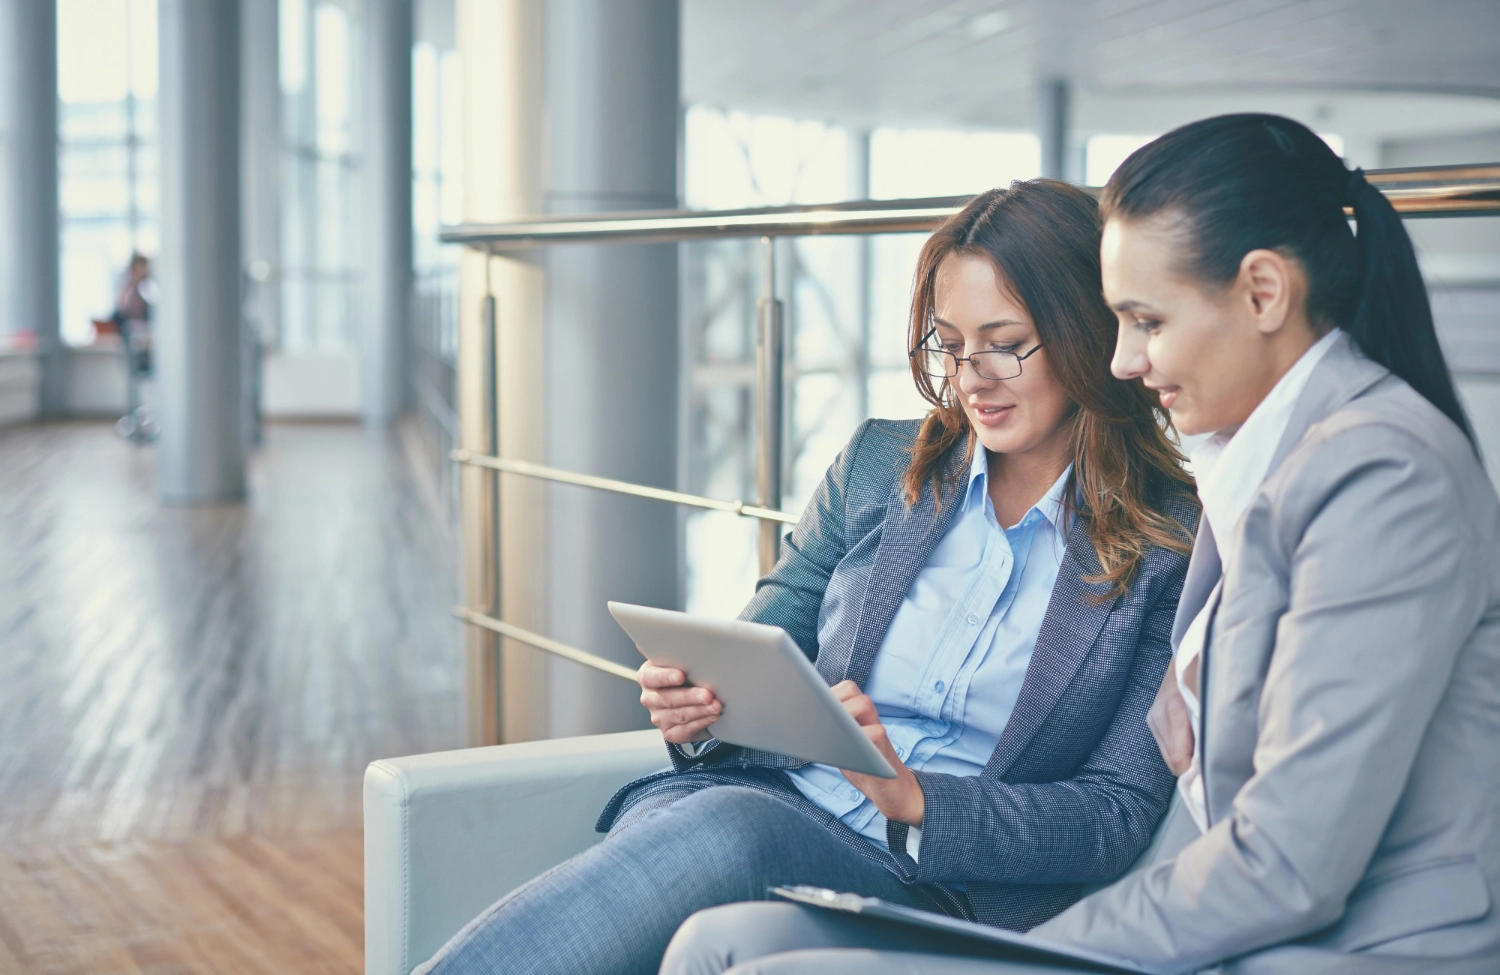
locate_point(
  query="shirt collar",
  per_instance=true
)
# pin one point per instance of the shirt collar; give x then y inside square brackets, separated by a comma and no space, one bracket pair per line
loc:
[1050,506]
[1231,464]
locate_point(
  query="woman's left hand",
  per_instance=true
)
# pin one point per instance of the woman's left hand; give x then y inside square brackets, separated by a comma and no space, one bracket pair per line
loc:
[900,799]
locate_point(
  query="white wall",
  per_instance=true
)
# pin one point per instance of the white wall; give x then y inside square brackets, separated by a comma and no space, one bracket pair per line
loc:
[96,381]
[310,386]
[20,374]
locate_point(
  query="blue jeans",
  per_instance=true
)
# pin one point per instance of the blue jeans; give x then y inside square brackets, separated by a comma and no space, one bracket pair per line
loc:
[612,908]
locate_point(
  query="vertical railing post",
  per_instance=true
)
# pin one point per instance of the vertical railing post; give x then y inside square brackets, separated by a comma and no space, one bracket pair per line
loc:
[768,400]
[489,693]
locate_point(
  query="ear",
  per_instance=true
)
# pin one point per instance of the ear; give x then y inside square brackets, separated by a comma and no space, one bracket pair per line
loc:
[1268,282]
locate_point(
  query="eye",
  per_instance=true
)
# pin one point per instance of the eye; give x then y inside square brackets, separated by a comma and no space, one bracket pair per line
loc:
[1005,348]
[1148,325]
[956,348]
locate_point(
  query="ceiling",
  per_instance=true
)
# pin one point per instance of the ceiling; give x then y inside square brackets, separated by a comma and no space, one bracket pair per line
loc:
[1133,65]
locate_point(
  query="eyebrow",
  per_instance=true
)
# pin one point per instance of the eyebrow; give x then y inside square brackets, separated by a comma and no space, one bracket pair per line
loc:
[1131,306]
[987,326]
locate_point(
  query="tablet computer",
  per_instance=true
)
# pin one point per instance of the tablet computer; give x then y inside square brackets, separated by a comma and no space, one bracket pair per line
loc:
[998,942]
[774,699]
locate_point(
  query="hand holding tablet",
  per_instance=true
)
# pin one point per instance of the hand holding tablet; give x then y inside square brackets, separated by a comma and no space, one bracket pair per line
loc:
[773,698]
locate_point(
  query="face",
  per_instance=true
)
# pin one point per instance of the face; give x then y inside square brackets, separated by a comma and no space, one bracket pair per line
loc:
[974,313]
[1210,354]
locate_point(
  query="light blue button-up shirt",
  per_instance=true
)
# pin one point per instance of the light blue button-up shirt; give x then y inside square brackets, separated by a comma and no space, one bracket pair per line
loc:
[947,675]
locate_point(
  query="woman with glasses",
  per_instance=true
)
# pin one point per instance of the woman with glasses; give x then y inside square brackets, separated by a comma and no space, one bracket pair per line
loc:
[990,591]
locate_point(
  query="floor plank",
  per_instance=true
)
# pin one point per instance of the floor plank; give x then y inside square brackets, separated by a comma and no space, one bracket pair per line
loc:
[189,695]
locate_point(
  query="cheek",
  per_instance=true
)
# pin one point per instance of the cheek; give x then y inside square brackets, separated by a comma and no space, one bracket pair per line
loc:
[1046,402]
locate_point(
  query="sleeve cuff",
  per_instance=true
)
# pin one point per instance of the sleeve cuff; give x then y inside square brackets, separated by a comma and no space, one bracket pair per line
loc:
[695,749]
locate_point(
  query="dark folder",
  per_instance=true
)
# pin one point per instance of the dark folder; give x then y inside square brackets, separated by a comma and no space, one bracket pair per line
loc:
[999,943]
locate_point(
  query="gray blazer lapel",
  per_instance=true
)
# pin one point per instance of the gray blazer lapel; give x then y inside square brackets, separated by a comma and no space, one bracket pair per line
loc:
[1073,621]
[907,538]
[1203,572]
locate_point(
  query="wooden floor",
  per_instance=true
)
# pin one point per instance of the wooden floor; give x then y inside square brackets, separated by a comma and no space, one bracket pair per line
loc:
[188,697]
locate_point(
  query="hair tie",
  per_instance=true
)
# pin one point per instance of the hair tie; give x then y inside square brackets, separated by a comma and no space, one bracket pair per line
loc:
[1353,185]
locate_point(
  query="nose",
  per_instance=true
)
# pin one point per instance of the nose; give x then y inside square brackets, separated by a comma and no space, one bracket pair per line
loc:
[1130,361]
[969,380]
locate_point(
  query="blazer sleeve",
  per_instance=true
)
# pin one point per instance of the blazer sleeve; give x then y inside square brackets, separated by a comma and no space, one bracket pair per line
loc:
[1384,585]
[791,595]
[1087,828]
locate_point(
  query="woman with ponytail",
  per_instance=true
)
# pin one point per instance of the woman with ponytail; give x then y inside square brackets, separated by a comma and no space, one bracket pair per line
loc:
[990,592]
[1334,705]
[1333,708]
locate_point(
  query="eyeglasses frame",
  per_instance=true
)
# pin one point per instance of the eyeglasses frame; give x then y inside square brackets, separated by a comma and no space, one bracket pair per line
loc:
[959,360]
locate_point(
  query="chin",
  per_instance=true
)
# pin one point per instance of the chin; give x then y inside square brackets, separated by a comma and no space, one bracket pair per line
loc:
[1187,424]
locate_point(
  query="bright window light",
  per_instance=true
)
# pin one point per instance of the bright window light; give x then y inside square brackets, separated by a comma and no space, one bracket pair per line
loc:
[931,162]
[1104,153]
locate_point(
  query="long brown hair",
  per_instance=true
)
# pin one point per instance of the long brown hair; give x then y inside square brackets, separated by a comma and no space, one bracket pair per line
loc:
[1043,238]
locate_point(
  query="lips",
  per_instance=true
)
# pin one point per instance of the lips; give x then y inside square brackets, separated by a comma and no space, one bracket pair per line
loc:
[1167,394]
[990,415]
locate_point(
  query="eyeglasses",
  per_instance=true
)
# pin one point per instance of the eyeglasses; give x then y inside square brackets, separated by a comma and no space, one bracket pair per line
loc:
[942,364]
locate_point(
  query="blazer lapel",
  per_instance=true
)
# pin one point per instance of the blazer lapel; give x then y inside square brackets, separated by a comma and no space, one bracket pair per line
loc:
[1204,569]
[907,537]
[1075,616]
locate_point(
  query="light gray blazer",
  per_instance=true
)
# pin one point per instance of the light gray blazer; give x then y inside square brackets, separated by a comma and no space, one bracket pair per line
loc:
[1351,735]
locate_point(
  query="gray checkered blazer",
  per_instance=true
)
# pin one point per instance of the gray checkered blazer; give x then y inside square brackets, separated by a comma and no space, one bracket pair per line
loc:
[1075,786]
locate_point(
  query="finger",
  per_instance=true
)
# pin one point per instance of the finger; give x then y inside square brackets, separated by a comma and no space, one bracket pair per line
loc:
[692,731]
[862,709]
[653,675]
[673,717]
[677,697]
[686,715]
[845,689]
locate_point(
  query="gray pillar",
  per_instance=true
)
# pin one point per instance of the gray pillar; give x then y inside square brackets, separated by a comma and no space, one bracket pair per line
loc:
[260,161]
[388,210]
[28,88]
[1052,127]
[201,454]
[611,77]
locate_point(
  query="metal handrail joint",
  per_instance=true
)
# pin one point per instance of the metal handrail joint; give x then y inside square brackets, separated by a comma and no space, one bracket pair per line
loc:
[542,472]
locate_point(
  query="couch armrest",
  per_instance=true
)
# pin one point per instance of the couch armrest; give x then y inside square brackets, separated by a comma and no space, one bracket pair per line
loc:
[447,834]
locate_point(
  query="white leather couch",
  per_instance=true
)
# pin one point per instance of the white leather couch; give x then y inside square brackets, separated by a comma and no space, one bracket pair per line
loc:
[447,834]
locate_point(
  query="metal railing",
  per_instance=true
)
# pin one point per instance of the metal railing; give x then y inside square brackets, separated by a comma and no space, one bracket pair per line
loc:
[1441,191]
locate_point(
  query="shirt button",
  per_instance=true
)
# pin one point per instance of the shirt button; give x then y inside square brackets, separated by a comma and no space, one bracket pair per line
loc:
[972,620]
[938,687]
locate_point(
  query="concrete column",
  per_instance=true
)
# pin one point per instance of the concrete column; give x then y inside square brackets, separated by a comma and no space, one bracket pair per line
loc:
[857,187]
[388,210]
[500,48]
[612,83]
[28,115]
[260,163]
[1052,126]
[201,454]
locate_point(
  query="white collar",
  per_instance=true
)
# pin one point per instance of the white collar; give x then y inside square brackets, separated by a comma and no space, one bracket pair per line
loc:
[1050,506]
[1231,464]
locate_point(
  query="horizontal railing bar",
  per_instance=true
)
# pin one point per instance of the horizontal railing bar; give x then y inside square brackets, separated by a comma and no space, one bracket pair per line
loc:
[544,643]
[542,472]
[1430,191]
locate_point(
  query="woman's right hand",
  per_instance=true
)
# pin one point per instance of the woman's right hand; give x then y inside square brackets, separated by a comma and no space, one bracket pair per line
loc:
[1171,725]
[679,710]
